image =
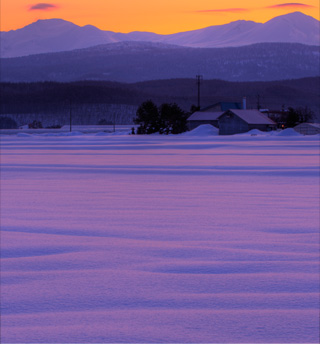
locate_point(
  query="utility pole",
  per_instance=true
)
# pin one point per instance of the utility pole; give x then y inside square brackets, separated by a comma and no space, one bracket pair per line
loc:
[70,116]
[199,79]
[258,102]
[114,122]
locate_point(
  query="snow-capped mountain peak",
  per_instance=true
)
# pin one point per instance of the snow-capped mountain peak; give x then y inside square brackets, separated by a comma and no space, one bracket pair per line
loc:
[55,35]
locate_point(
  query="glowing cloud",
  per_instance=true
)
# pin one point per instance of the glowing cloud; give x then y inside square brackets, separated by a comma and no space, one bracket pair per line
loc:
[226,10]
[42,7]
[291,5]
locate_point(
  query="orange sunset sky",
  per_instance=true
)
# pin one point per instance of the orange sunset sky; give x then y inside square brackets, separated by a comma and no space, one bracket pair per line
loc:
[160,16]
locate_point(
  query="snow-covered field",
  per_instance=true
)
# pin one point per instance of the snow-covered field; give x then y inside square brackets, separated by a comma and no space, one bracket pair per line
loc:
[192,238]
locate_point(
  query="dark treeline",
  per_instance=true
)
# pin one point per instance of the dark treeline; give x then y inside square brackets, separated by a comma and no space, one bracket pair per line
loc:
[274,95]
[56,97]
[92,96]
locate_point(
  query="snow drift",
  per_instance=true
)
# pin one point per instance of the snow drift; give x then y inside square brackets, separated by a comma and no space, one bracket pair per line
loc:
[159,239]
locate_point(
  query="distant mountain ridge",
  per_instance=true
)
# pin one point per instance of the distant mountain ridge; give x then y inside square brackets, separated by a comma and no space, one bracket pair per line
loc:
[57,35]
[141,61]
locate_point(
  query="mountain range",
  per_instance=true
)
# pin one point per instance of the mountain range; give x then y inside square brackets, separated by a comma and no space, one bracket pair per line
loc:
[142,61]
[57,35]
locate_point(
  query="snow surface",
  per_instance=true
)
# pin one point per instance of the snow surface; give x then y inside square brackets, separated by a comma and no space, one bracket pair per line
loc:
[119,238]
[203,130]
[289,132]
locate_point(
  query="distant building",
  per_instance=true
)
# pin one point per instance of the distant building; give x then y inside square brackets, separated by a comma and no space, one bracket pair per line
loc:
[241,121]
[278,116]
[210,114]
[201,117]
[223,106]
[308,128]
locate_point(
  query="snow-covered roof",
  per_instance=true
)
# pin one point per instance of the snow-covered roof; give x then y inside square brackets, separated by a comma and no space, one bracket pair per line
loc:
[311,126]
[315,125]
[253,116]
[205,116]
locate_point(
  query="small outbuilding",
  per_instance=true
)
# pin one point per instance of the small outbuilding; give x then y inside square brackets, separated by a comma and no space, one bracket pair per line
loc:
[241,121]
[308,128]
[201,117]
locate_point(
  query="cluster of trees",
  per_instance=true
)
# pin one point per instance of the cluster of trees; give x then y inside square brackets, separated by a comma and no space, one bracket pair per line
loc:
[165,119]
[298,115]
[35,125]
[293,116]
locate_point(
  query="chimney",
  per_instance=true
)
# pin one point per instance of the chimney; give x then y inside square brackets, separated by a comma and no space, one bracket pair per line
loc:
[244,103]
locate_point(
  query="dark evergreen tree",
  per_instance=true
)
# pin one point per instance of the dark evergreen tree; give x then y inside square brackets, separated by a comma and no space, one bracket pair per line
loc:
[292,118]
[147,117]
[172,119]
[305,114]
[168,119]
[298,115]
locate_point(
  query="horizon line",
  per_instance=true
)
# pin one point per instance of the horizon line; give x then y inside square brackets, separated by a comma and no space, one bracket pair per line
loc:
[233,21]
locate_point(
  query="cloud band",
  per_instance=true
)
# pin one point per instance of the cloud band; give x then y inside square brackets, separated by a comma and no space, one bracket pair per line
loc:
[226,10]
[42,7]
[291,5]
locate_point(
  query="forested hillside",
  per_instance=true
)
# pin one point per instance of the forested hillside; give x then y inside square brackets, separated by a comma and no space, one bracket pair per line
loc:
[92,101]
[141,61]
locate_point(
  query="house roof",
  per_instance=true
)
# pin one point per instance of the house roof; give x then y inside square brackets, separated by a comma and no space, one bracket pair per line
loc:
[253,116]
[224,106]
[205,116]
[315,125]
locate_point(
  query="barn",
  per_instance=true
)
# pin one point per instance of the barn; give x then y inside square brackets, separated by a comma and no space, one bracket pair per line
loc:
[210,114]
[241,121]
